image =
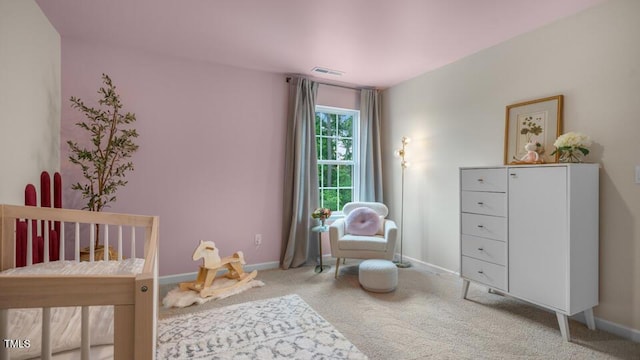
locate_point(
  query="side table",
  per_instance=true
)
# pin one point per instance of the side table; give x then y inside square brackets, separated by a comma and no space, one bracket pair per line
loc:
[320,229]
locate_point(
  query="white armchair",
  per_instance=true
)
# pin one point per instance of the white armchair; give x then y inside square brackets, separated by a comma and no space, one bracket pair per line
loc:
[345,245]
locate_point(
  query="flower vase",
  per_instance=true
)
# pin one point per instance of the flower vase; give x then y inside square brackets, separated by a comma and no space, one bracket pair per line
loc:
[571,156]
[322,222]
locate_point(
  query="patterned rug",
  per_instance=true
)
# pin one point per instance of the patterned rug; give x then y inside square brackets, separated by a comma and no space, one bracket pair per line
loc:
[280,328]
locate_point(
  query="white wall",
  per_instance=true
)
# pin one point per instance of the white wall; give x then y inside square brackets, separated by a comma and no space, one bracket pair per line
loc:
[455,116]
[29,98]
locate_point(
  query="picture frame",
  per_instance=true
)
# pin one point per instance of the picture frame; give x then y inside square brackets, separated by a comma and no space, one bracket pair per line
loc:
[538,121]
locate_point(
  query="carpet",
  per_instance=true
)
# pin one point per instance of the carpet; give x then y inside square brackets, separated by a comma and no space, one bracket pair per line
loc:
[278,328]
[183,298]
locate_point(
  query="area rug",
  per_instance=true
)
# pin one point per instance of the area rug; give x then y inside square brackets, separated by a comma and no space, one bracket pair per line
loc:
[279,328]
[184,298]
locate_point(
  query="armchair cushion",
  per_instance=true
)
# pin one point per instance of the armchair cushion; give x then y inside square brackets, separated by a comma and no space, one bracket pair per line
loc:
[363,221]
[357,242]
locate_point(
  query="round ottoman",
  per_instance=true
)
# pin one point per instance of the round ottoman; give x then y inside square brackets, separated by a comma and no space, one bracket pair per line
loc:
[378,275]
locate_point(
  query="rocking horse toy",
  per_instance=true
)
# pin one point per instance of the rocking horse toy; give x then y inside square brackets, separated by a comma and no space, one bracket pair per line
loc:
[211,264]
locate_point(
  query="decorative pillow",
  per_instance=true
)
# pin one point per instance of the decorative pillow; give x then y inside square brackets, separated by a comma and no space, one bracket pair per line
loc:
[363,221]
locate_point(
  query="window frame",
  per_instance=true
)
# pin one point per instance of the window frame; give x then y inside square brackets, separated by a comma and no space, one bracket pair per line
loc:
[355,163]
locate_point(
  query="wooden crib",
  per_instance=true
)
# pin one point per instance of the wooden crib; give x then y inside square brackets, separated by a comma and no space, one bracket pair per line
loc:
[134,297]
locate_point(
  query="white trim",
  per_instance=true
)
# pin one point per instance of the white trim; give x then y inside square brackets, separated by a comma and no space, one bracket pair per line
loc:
[611,327]
[177,278]
[355,151]
[428,266]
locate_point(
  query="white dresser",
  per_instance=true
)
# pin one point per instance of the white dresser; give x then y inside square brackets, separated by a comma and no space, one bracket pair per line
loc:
[531,232]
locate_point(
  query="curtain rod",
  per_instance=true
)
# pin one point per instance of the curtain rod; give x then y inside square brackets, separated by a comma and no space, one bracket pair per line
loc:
[336,85]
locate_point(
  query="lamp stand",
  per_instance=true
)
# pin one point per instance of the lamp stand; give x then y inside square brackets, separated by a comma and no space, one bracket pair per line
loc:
[402,264]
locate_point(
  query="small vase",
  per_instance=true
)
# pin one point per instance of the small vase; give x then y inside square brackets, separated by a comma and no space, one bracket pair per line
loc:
[571,156]
[322,222]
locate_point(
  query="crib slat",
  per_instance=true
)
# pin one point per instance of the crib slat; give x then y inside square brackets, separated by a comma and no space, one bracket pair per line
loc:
[62,240]
[133,242]
[45,231]
[29,243]
[77,249]
[45,351]
[84,340]
[4,333]
[106,242]
[119,242]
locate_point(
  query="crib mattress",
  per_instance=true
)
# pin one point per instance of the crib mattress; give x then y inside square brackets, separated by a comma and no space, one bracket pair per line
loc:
[26,324]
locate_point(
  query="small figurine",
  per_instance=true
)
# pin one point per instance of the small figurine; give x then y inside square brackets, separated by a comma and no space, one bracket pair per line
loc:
[211,264]
[532,155]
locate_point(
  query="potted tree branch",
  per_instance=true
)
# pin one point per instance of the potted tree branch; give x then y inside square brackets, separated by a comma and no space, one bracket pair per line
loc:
[105,160]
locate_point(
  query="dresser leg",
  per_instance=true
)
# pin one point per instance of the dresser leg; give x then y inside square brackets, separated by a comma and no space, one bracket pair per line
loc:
[563,321]
[591,321]
[465,288]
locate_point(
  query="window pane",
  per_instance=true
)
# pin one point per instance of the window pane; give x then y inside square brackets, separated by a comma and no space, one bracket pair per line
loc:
[344,149]
[329,148]
[327,126]
[344,176]
[318,127]
[321,175]
[320,144]
[330,199]
[331,176]
[345,197]
[327,175]
[345,125]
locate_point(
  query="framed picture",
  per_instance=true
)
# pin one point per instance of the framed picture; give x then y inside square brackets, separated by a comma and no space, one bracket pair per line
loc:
[535,122]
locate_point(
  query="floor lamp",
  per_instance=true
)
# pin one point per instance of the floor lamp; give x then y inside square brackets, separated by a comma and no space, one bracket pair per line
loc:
[403,164]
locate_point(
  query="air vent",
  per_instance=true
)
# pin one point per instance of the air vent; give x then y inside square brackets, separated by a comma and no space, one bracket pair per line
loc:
[321,70]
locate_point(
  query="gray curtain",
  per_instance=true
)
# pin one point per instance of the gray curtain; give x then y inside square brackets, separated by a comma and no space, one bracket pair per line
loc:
[370,148]
[301,173]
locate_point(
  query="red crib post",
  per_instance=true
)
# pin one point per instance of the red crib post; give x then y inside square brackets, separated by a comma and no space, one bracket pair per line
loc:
[30,199]
[57,203]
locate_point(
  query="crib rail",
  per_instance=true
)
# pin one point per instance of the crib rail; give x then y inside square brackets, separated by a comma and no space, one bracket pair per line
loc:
[134,296]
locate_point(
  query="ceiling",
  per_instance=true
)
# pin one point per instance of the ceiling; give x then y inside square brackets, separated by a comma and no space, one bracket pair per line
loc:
[375,43]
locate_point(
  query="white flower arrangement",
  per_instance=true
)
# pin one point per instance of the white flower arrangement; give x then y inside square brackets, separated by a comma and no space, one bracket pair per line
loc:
[568,144]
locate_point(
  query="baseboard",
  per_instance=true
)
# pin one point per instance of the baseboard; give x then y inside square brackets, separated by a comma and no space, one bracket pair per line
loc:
[611,327]
[428,266]
[177,278]
[601,324]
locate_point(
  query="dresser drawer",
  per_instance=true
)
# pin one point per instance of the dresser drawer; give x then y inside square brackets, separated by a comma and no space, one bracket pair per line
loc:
[485,226]
[484,179]
[486,203]
[492,275]
[493,251]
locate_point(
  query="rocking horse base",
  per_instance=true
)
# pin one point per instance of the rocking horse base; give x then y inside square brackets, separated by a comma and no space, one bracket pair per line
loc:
[206,277]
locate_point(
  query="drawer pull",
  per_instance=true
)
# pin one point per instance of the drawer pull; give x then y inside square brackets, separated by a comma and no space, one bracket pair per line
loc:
[480,180]
[480,249]
[513,175]
[481,226]
[480,203]
[480,272]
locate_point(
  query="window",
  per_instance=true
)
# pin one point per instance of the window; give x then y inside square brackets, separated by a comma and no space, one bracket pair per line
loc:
[337,148]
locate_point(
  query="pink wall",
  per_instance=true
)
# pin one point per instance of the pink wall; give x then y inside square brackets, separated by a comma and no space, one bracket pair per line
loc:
[210,162]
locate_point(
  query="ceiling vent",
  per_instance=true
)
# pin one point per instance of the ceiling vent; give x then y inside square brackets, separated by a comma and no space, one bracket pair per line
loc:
[321,70]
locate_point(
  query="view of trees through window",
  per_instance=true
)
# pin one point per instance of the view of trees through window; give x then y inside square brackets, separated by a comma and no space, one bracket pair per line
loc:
[335,139]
